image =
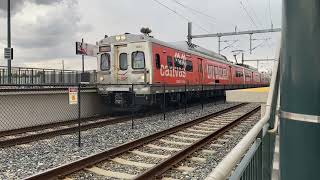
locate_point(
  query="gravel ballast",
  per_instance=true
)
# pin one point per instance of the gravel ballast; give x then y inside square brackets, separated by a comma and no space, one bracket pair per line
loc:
[24,160]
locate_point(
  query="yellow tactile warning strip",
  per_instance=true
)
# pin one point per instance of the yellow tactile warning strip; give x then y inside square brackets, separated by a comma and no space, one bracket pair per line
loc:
[140,153]
[103,172]
[264,89]
[163,148]
[132,163]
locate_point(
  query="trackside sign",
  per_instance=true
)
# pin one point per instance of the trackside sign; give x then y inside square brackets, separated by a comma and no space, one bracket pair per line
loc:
[73,95]
[86,49]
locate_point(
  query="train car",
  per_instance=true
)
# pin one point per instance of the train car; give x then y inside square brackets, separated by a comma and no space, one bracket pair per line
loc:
[143,66]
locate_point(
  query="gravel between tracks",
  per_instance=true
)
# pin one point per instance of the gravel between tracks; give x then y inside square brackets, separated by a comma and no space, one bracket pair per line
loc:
[24,160]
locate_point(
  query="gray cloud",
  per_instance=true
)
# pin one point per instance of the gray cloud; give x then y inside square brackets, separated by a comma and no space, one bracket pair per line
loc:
[17,5]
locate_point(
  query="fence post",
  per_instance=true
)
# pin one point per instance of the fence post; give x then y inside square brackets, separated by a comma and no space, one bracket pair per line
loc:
[185,98]
[202,97]
[19,74]
[133,104]
[31,76]
[164,101]
[79,114]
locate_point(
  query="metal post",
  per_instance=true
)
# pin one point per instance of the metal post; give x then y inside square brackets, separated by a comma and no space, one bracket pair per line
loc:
[219,47]
[189,32]
[82,63]
[19,74]
[79,115]
[9,39]
[250,43]
[202,97]
[300,90]
[185,98]
[133,104]
[164,101]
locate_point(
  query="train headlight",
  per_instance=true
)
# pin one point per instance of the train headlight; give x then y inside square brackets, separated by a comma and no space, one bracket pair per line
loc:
[123,37]
[101,78]
[142,77]
[118,38]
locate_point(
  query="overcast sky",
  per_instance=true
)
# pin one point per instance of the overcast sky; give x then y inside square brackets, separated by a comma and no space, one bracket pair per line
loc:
[44,31]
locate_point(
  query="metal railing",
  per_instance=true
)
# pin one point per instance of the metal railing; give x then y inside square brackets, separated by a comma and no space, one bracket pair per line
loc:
[25,75]
[252,157]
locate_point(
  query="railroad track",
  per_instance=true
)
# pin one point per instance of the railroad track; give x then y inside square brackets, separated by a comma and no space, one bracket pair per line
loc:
[46,131]
[152,156]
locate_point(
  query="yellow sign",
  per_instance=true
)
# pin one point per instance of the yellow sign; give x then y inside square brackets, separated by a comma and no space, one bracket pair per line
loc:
[73,95]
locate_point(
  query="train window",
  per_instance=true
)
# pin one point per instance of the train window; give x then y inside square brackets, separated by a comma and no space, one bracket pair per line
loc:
[189,66]
[210,72]
[169,62]
[158,65]
[138,60]
[123,61]
[178,63]
[105,62]
[239,74]
[224,72]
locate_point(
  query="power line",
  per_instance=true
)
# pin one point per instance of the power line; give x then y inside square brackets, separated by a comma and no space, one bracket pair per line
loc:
[180,15]
[194,10]
[270,13]
[254,13]
[251,19]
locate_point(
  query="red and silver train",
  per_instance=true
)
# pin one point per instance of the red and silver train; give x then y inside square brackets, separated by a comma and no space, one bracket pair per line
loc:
[149,63]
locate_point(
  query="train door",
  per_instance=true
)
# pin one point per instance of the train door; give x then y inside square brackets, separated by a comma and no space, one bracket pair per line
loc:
[122,65]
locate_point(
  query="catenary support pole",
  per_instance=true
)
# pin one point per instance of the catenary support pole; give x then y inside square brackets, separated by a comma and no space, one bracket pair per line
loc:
[9,39]
[300,91]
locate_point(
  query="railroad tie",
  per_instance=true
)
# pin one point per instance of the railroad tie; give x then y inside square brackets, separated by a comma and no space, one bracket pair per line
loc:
[198,131]
[175,142]
[163,148]
[198,159]
[192,134]
[205,128]
[140,153]
[184,168]
[168,178]
[107,173]
[184,138]
[132,163]
[208,151]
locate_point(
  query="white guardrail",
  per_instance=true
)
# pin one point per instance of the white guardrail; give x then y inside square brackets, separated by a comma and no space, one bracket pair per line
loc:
[226,166]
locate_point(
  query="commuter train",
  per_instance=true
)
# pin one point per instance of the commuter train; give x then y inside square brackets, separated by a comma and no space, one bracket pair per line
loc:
[181,69]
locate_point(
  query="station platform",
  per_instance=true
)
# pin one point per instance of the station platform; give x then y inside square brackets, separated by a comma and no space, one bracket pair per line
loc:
[258,95]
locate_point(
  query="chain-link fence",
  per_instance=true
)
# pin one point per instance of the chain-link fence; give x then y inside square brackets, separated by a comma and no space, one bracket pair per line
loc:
[23,75]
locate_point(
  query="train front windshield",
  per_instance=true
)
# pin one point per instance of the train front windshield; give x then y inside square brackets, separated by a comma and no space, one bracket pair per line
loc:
[105,62]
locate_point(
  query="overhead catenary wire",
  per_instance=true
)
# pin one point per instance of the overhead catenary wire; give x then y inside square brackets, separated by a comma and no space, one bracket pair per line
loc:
[180,15]
[195,10]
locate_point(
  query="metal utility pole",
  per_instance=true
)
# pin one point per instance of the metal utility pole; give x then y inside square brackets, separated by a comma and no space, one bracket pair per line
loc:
[300,91]
[189,32]
[9,41]
[219,45]
[82,57]
[250,43]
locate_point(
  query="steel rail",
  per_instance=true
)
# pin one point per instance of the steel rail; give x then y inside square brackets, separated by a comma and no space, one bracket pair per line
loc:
[181,155]
[69,130]
[61,171]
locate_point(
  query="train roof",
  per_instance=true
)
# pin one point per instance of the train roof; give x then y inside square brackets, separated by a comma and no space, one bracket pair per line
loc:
[181,45]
